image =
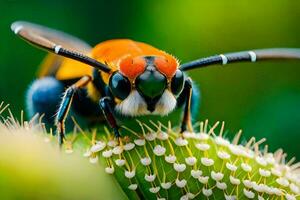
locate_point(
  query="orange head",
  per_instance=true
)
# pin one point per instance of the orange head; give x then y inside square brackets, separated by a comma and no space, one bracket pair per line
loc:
[133,66]
[150,84]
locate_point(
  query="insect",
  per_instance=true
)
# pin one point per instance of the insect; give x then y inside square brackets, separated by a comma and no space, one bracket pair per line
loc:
[118,77]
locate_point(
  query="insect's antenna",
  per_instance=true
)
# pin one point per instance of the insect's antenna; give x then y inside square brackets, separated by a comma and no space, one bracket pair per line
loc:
[82,58]
[244,56]
[29,34]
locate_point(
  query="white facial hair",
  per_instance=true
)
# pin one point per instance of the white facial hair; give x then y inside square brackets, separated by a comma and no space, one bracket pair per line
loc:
[135,105]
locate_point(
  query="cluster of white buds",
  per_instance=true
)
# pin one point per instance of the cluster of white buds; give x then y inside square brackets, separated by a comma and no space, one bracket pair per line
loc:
[163,164]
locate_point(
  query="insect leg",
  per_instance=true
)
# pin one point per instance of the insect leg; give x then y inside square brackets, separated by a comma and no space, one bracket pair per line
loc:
[106,105]
[186,123]
[65,106]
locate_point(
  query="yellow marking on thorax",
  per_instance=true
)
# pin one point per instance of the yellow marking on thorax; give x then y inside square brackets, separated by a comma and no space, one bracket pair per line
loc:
[71,69]
[93,93]
[49,65]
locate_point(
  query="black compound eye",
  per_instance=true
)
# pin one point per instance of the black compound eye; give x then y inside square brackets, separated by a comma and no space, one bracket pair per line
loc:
[120,86]
[177,82]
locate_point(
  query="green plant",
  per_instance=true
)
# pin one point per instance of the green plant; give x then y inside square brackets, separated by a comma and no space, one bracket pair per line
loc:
[156,163]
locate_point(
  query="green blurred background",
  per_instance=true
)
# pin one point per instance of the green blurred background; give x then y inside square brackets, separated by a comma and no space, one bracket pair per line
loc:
[263,99]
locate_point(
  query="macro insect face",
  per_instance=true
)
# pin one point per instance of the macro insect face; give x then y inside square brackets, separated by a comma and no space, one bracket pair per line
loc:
[146,85]
[117,78]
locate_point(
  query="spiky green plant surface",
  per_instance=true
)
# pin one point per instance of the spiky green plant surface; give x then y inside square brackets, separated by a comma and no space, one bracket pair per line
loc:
[33,168]
[155,163]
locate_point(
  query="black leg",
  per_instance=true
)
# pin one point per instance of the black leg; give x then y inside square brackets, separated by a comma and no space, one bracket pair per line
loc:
[186,121]
[65,106]
[106,105]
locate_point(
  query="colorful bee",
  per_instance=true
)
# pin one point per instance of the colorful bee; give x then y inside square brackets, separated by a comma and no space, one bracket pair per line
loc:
[118,77]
